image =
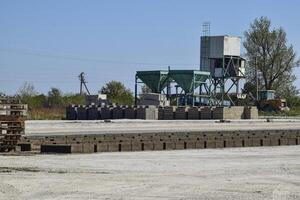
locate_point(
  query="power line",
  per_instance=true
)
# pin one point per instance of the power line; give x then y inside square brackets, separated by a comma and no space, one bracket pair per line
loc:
[39,54]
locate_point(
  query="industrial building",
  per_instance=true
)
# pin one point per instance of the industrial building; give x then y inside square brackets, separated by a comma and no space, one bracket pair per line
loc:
[221,69]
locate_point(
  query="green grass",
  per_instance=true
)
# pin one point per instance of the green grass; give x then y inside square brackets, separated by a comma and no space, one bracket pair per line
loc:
[46,114]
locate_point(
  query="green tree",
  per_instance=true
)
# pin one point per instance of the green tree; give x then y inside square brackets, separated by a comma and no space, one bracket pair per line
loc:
[269,54]
[37,101]
[76,99]
[117,93]
[55,98]
[27,93]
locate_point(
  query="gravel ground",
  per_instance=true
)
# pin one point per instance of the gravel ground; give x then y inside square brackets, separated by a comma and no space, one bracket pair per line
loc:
[236,173]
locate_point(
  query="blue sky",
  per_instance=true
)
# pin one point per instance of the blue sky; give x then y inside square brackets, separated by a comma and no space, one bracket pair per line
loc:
[49,42]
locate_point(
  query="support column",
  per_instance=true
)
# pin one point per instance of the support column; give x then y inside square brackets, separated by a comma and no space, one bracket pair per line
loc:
[135,90]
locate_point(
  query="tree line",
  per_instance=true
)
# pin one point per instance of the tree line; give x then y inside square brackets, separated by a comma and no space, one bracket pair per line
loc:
[116,93]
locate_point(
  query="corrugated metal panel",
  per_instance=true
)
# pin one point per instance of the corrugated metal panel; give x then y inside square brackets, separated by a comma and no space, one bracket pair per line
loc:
[218,46]
[232,46]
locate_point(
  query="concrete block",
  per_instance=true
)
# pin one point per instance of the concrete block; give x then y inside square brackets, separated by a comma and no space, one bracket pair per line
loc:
[190,144]
[205,113]
[129,113]
[283,141]
[220,143]
[234,112]
[74,139]
[179,145]
[45,148]
[113,146]
[36,147]
[248,143]
[25,146]
[88,148]
[229,143]
[118,113]
[71,113]
[82,113]
[181,113]
[136,146]
[193,113]
[217,113]
[170,146]
[93,138]
[92,113]
[76,148]
[169,112]
[102,147]
[250,112]
[160,113]
[159,146]
[211,135]
[274,141]
[210,144]
[266,142]
[125,146]
[54,140]
[105,112]
[148,145]
[237,143]
[150,113]
[199,144]
[256,142]
[292,141]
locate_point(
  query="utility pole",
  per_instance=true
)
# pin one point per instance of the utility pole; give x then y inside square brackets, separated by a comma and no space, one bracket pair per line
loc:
[83,83]
[169,86]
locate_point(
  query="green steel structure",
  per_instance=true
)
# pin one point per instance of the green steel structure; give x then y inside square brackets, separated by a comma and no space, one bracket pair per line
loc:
[187,80]
[155,80]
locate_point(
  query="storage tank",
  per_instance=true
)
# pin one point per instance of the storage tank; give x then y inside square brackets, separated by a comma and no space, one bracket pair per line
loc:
[216,49]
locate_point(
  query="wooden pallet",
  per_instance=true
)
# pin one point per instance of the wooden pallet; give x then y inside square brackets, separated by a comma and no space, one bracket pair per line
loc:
[12,125]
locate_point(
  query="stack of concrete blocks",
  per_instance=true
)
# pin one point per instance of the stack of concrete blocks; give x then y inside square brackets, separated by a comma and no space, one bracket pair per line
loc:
[129,112]
[92,112]
[181,113]
[141,112]
[205,113]
[71,113]
[118,112]
[217,113]
[169,112]
[193,113]
[82,113]
[147,112]
[250,112]
[162,140]
[160,113]
[154,99]
[235,112]
[105,112]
